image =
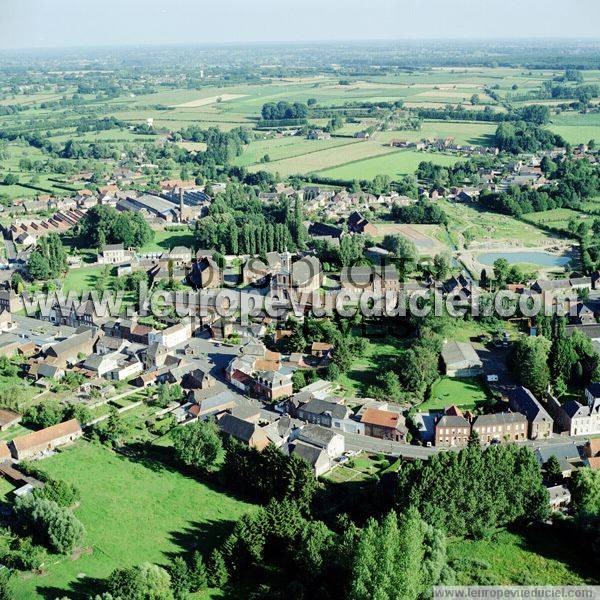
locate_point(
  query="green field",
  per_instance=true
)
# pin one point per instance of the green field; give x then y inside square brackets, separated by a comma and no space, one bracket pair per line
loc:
[395,164]
[167,239]
[557,217]
[467,224]
[463,132]
[467,394]
[539,556]
[133,512]
[82,279]
[323,159]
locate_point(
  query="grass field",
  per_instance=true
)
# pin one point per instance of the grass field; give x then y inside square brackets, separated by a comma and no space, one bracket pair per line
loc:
[541,556]
[557,217]
[395,164]
[132,513]
[167,239]
[81,279]
[467,394]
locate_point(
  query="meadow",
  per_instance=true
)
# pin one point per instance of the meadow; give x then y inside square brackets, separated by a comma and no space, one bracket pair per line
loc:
[467,394]
[133,512]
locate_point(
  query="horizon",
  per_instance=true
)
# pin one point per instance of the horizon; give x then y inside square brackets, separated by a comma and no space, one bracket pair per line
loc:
[134,23]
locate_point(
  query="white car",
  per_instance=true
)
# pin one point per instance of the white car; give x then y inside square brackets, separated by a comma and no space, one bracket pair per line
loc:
[492,378]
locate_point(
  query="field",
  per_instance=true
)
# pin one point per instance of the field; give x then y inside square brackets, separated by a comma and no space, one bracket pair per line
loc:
[133,512]
[557,217]
[167,239]
[540,556]
[82,279]
[467,394]
[469,226]
[463,132]
[395,164]
[359,468]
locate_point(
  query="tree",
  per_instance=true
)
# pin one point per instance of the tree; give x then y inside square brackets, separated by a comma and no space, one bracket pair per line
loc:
[399,554]
[54,526]
[553,470]
[199,445]
[17,283]
[217,570]
[530,363]
[38,266]
[180,577]
[585,494]
[441,266]
[5,591]
[198,578]
[404,254]
[501,272]
[143,582]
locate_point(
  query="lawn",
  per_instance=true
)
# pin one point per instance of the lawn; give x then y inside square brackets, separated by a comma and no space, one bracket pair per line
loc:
[167,239]
[82,279]
[394,164]
[132,513]
[467,394]
[540,556]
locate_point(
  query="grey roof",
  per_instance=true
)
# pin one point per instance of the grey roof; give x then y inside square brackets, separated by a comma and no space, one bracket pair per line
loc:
[594,389]
[459,353]
[113,247]
[452,421]
[311,454]
[572,408]
[316,435]
[567,451]
[73,342]
[236,427]
[522,400]
[319,407]
[503,418]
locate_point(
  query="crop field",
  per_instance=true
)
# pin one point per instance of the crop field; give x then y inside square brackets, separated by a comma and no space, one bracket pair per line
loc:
[132,513]
[395,164]
[327,158]
[557,217]
[286,147]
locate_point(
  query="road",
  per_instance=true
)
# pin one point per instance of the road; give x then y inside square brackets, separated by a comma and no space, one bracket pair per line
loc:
[363,442]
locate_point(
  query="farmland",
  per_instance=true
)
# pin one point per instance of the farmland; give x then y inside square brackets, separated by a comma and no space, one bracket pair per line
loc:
[132,513]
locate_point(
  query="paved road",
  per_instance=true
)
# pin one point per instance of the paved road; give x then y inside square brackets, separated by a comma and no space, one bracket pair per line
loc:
[371,444]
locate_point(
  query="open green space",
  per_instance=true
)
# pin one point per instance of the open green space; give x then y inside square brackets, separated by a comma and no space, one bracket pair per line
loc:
[463,132]
[395,164]
[167,239]
[539,556]
[133,511]
[467,394]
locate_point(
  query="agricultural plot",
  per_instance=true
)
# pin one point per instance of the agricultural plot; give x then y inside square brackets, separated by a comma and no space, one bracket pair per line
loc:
[557,217]
[463,132]
[288,147]
[332,157]
[395,164]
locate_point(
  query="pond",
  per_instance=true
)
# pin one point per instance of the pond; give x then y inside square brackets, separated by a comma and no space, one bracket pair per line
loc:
[542,259]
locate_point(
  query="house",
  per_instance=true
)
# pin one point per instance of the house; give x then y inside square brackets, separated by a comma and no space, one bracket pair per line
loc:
[370,279]
[577,418]
[204,274]
[567,454]
[592,448]
[305,276]
[244,431]
[384,424]
[326,233]
[521,400]
[326,439]
[8,418]
[316,457]
[452,430]
[273,385]
[198,379]
[358,224]
[113,254]
[40,442]
[559,496]
[322,412]
[74,348]
[318,134]
[500,427]
[172,336]
[210,405]
[461,360]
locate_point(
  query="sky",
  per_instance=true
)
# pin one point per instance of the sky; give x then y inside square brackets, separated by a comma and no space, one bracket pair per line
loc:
[67,23]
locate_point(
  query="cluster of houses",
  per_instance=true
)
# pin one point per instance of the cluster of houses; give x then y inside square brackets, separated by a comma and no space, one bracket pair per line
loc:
[447,144]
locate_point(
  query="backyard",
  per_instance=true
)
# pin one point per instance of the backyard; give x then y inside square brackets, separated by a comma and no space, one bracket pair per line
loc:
[467,394]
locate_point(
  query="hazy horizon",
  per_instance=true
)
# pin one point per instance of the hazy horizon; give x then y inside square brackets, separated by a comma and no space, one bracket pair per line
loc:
[37,24]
